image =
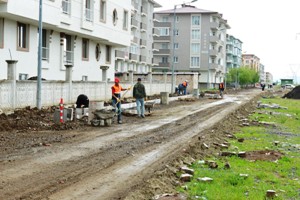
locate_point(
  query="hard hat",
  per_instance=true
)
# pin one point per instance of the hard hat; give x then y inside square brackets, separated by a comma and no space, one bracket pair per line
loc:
[186,81]
[117,80]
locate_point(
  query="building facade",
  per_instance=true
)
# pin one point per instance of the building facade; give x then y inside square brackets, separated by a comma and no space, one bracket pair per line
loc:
[81,34]
[262,74]
[191,40]
[233,52]
[251,61]
[269,78]
[138,57]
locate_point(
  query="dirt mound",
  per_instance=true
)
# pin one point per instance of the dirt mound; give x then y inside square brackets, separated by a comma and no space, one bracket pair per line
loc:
[263,155]
[32,119]
[294,94]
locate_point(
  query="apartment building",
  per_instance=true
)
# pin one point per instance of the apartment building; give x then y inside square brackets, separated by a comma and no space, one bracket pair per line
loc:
[251,61]
[262,74]
[138,56]
[82,34]
[191,40]
[269,78]
[233,52]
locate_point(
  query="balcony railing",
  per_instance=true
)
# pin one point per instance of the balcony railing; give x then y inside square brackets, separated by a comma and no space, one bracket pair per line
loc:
[134,23]
[144,10]
[66,6]
[45,53]
[143,43]
[68,57]
[162,38]
[164,65]
[119,54]
[162,24]
[155,32]
[133,57]
[89,15]
[142,58]
[135,40]
[143,26]
[163,52]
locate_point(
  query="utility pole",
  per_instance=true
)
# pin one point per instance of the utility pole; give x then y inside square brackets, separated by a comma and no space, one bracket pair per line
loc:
[39,68]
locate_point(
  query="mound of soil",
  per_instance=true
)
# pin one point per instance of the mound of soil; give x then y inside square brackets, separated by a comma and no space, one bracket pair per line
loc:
[294,94]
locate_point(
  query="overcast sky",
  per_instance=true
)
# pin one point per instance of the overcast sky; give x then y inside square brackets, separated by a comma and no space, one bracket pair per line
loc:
[267,28]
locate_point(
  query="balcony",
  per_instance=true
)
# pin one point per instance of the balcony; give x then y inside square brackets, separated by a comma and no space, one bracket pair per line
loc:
[155,32]
[133,57]
[162,24]
[142,59]
[135,40]
[119,55]
[164,65]
[134,23]
[162,38]
[154,48]
[143,43]
[213,52]
[154,63]
[214,25]
[134,6]
[163,52]
[214,38]
[144,10]
[143,27]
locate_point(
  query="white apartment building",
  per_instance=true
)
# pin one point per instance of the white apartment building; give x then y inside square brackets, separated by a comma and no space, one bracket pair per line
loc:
[138,57]
[80,33]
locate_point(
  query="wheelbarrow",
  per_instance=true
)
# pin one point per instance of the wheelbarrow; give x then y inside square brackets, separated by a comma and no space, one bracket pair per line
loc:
[103,115]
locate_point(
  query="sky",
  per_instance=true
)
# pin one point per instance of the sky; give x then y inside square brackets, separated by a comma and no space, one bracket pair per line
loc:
[270,29]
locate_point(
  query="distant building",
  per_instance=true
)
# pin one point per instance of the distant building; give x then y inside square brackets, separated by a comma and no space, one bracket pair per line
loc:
[262,74]
[269,78]
[198,43]
[251,61]
[138,56]
[233,52]
[83,34]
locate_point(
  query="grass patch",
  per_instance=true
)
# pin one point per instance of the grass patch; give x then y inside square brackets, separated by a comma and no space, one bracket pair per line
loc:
[282,175]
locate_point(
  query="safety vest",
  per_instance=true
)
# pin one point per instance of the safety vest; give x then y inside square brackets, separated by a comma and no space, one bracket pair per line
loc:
[116,89]
[221,86]
[184,83]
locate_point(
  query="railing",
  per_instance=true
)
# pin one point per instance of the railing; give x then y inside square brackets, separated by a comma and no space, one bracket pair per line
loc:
[119,54]
[143,26]
[155,32]
[89,15]
[135,40]
[142,58]
[164,65]
[66,6]
[160,38]
[45,53]
[133,56]
[68,57]
[143,42]
[134,23]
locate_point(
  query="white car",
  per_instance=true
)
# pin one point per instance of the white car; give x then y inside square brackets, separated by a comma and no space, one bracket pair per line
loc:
[288,86]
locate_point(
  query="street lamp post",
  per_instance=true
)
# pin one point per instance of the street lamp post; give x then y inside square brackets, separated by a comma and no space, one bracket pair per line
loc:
[39,69]
[173,43]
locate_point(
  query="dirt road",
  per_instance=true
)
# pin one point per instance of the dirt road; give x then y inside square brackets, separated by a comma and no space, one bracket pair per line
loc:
[106,162]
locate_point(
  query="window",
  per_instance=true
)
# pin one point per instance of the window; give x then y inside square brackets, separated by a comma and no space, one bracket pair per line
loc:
[164,59]
[68,48]
[45,44]
[164,46]
[195,62]
[196,34]
[175,59]
[125,20]
[84,78]
[23,77]
[66,6]
[103,10]
[165,19]
[196,20]
[89,15]
[176,32]
[108,54]
[85,49]
[134,49]
[1,32]
[176,46]
[195,48]
[164,31]
[115,17]
[23,36]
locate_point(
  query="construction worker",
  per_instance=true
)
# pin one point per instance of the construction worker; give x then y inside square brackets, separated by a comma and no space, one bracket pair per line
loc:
[139,93]
[181,89]
[116,98]
[221,88]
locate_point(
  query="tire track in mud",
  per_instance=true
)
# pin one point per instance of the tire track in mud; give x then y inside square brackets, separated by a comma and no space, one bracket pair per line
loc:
[63,174]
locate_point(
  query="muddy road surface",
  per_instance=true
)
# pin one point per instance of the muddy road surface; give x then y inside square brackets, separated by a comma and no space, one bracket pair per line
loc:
[107,162]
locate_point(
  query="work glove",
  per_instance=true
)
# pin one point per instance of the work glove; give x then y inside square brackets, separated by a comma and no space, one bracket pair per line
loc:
[129,88]
[118,100]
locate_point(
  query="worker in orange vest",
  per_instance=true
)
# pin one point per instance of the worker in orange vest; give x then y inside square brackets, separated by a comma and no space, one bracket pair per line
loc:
[182,87]
[116,97]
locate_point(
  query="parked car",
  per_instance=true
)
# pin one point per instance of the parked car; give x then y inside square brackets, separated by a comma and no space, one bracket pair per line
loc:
[288,86]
